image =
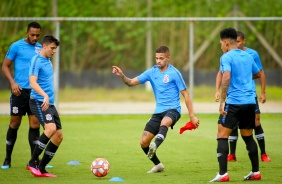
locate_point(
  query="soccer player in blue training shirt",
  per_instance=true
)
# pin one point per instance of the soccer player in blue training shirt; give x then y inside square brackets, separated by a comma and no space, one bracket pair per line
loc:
[259,133]
[20,54]
[167,84]
[238,70]
[42,106]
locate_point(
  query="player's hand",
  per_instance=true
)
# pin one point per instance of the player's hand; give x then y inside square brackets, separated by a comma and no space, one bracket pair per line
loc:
[221,109]
[217,96]
[16,89]
[117,71]
[45,104]
[195,121]
[262,98]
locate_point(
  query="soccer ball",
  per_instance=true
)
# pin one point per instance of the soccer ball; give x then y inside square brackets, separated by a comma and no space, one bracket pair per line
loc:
[100,167]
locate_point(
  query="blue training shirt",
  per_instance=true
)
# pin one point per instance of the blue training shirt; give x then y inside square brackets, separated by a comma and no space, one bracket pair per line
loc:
[166,86]
[242,67]
[20,53]
[256,58]
[43,69]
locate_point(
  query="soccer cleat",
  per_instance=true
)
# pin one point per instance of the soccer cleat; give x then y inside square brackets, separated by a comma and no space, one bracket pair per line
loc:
[33,169]
[265,158]
[231,157]
[157,168]
[47,175]
[6,164]
[221,178]
[253,176]
[152,150]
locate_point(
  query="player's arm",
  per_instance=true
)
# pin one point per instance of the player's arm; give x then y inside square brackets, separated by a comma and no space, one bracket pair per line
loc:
[35,86]
[128,81]
[224,88]
[217,85]
[6,68]
[262,81]
[189,106]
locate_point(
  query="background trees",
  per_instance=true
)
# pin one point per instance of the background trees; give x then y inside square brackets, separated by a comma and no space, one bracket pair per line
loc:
[99,45]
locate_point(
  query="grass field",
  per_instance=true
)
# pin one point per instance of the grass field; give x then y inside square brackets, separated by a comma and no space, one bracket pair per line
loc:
[188,158]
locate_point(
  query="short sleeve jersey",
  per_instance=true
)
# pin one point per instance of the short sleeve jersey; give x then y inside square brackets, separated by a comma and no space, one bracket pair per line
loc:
[166,86]
[43,69]
[256,58]
[20,53]
[242,67]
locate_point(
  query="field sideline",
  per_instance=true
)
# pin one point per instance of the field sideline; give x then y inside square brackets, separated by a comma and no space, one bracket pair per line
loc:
[188,158]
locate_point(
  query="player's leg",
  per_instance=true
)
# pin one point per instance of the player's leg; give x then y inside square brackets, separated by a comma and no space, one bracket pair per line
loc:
[233,143]
[150,130]
[11,137]
[246,126]
[259,133]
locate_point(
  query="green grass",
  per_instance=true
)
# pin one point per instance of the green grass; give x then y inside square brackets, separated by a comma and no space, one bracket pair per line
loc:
[201,94]
[188,158]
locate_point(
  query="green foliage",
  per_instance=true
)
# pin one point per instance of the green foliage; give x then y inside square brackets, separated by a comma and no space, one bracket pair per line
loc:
[99,45]
[188,158]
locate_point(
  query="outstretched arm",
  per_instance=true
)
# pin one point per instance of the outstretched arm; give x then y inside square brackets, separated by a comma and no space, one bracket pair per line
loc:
[128,81]
[189,106]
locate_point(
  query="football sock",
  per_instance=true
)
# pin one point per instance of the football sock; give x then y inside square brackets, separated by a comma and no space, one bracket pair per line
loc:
[11,138]
[161,135]
[33,135]
[260,138]
[222,153]
[41,144]
[233,140]
[252,149]
[48,155]
[154,159]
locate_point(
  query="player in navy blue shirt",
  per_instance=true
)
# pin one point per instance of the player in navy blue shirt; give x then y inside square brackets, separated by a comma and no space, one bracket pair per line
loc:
[42,106]
[237,103]
[259,133]
[167,84]
[19,55]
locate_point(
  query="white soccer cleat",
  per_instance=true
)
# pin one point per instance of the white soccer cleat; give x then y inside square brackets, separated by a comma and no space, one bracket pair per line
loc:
[157,168]
[221,178]
[253,176]
[152,150]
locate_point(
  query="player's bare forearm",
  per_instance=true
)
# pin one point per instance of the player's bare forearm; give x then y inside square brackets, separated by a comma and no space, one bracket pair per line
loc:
[224,86]
[126,80]
[262,80]
[217,85]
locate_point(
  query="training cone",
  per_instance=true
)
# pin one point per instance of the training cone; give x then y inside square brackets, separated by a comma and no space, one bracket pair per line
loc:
[74,162]
[116,179]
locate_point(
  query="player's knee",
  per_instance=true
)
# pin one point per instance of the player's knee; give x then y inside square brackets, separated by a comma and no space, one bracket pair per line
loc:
[144,144]
[15,124]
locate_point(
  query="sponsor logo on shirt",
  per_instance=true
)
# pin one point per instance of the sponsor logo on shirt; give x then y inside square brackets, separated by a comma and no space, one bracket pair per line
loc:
[166,78]
[37,50]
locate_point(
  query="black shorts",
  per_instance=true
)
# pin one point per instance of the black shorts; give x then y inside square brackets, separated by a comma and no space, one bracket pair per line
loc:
[257,106]
[153,125]
[49,116]
[242,116]
[19,105]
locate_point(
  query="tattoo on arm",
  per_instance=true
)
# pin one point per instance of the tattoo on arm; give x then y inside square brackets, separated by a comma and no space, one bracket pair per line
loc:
[126,80]
[225,85]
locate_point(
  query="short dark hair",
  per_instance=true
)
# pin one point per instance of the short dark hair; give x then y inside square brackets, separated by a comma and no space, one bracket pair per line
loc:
[240,34]
[228,33]
[33,25]
[163,49]
[47,39]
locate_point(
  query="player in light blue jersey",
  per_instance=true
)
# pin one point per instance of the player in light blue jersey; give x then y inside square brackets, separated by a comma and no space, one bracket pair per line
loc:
[237,103]
[167,84]
[42,106]
[19,55]
[259,133]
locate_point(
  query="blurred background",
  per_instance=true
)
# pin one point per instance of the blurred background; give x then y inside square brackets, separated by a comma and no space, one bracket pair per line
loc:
[89,48]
